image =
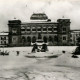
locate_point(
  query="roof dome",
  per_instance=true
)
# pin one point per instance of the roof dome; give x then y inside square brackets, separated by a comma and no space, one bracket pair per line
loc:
[38,16]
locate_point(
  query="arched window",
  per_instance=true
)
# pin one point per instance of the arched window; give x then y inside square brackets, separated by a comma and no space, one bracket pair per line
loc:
[45,39]
[55,38]
[28,39]
[23,39]
[50,39]
[33,39]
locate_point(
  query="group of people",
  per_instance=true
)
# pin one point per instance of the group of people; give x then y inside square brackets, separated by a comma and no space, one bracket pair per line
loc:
[4,52]
[7,53]
[37,48]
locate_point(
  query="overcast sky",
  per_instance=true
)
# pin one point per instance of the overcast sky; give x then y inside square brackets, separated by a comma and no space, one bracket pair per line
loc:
[55,9]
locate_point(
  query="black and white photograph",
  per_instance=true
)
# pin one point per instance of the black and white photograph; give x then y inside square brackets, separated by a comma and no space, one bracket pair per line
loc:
[39,39]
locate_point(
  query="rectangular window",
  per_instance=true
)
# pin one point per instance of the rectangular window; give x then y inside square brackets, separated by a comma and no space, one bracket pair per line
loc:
[14,30]
[4,38]
[4,42]
[1,38]
[64,29]
[39,29]
[71,40]
[49,28]
[55,29]
[64,37]
[22,29]
[1,42]
[45,29]
[71,35]
[28,29]
[33,29]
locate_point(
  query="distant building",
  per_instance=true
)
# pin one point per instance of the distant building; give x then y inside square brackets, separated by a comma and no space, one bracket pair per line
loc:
[75,34]
[4,39]
[39,28]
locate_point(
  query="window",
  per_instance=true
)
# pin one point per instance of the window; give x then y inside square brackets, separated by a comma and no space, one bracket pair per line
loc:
[1,42]
[28,29]
[33,39]
[39,29]
[33,29]
[23,30]
[55,29]
[71,40]
[4,42]
[14,30]
[64,29]
[64,37]
[14,39]
[45,29]
[1,38]
[50,39]
[49,28]
[71,35]
[55,38]
[45,39]
[4,38]
[23,27]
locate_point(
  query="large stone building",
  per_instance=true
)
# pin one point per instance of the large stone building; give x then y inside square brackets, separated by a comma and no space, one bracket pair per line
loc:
[40,28]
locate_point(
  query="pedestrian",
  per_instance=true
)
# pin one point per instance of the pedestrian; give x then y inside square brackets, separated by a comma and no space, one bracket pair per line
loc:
[0,52]
[17,53]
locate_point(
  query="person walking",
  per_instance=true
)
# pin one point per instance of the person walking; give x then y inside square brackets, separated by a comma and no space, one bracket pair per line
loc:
[18,53]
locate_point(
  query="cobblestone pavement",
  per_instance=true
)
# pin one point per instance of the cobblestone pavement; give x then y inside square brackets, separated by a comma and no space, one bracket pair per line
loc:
[36,74]
[21,68]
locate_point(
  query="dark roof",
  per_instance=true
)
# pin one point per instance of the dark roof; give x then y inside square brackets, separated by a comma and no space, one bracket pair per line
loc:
[63,20]
[38,16]
[14,22]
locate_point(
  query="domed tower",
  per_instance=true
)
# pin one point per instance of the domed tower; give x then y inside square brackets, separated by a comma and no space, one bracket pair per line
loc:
[39,16]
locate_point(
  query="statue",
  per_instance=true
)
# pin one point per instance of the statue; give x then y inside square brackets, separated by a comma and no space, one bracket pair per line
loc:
[44,48]
[35,47]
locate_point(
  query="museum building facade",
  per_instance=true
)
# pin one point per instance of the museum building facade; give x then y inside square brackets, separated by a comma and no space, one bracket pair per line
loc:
[40,28]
